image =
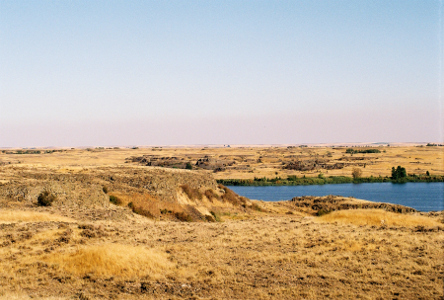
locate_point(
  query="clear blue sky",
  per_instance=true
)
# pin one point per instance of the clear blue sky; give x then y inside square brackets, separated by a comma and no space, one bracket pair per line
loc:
[77,73]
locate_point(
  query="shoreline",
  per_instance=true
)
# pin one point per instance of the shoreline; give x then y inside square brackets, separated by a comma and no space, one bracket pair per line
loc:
[295,181]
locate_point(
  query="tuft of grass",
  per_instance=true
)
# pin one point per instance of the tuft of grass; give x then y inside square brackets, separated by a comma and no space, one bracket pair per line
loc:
[190,192]
[210,194]
[113,260]
[45,199]
[148,205]
[141,211]
[377,217]
[232,197]
[183,216]
[256,207]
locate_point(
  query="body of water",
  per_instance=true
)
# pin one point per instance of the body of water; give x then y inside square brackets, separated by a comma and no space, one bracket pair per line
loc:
[422,196]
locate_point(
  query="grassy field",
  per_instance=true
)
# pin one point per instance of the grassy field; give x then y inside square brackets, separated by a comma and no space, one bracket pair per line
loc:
[85,246]
[247,162]
[264,255]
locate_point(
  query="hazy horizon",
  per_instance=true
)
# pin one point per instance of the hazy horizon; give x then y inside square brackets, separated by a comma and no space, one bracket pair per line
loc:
[185,73]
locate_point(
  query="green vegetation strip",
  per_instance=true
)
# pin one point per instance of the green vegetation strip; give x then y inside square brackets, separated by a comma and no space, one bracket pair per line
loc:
[293,180]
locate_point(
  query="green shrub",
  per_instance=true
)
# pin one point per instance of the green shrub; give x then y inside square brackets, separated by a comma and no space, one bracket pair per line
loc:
[215,216]
[322,212]
[398,173]
[45,199]
[114,200]
[188,166]
[165,211]
[292,178]
[352,151]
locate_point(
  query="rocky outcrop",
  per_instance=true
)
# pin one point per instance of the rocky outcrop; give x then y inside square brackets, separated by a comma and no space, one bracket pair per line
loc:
[159,161]
[203,163]
[210,163]
[312,164]
[149,191]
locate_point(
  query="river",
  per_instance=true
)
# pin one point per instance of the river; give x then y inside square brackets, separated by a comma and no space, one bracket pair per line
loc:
[422,196]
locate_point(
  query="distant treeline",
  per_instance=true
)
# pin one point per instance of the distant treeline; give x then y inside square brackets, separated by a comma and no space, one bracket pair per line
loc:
[293,180]
[353,151]
[31,151]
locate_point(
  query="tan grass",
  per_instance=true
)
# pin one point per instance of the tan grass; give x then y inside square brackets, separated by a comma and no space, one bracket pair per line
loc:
[416,160]
[23,296]
[376,217]
[147,203]
[12,216]
[111,260]
[266,257]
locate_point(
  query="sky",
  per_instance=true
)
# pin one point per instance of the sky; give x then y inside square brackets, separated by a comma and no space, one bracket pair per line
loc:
[115,73]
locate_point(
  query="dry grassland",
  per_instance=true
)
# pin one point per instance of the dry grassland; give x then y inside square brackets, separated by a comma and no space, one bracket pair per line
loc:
[255,256]
[11,216]
[254,250]
[378,217]
[108,260]
[249,162]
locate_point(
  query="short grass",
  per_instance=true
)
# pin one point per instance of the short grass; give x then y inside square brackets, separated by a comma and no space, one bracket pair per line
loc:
[12,216]
[23,296]
[113,260]
[377,217]
[146,204]
[271,256]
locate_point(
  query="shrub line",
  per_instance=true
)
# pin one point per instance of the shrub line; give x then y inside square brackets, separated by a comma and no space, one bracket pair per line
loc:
[293,180]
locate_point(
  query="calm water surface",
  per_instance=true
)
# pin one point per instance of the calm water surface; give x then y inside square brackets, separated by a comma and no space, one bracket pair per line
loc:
[421,196]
